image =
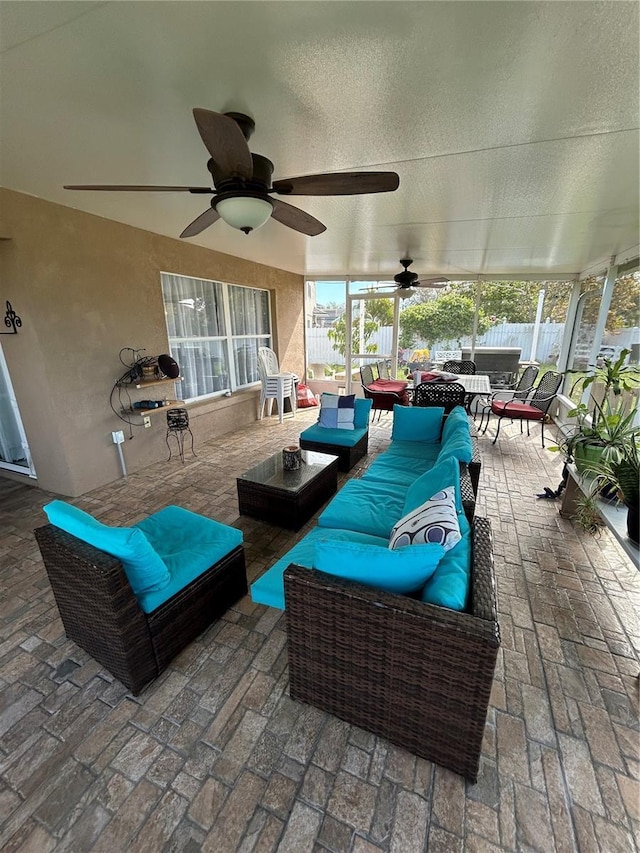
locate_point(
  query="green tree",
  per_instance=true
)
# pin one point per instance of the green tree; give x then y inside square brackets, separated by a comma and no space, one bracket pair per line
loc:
[338,335]
[380,310]
[448,317]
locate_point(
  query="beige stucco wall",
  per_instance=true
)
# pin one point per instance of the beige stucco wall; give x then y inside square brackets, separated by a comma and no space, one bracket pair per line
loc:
[85,287]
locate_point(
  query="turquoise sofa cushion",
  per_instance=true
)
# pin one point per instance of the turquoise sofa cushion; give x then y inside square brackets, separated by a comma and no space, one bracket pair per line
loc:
[459,447]
[444,474]
[361,413]
[339,437]
[366,507]
[402,570]
[269,588]
[401,470]
[417,423]
[413,450]
[143,566]
[456,419]
[449,585]
[189,544]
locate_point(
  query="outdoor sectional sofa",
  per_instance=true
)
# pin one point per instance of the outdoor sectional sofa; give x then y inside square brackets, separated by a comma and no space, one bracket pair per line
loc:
[414,666]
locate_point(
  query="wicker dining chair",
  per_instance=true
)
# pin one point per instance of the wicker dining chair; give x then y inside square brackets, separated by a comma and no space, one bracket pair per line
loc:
[465,367]
[519,391]
[535,409]
[446,394]
[385,393]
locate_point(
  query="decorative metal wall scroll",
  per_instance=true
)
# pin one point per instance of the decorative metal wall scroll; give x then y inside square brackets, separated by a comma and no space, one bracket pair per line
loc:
[11,321]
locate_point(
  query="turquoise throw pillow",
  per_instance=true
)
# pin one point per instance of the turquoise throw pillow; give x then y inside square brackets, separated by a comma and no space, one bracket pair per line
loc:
[459,447]
[362,410]
[337,412]
[142,565]
[402,571]
[417,423]
[449,585]
[444,473]
[456,421]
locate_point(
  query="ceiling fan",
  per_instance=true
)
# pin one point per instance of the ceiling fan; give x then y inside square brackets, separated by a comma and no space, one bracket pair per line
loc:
[242,181]
[407,280]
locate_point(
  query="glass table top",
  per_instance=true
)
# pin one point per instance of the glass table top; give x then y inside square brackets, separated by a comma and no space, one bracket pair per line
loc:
[271,473]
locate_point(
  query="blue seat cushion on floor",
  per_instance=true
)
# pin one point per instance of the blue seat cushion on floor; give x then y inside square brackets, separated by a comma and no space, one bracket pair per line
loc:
[142,564]
[188,544]
[339,437]
[365,506]
[449,585]
[269,588]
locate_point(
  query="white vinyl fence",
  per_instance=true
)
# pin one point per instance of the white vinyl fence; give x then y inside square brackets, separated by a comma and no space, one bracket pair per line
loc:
[320,349]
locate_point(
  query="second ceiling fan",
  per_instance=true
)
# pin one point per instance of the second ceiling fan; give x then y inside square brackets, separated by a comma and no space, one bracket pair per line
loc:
[242,184]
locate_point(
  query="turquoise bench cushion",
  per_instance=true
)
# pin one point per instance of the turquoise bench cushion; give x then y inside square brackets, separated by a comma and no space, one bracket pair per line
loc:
[269,588]
[449,585]
[402,570]
[413,450]
[143,566]
[189,544]
[401,470]
[455,420]
[417,423]
[444,474]
[339,437]
[365,506]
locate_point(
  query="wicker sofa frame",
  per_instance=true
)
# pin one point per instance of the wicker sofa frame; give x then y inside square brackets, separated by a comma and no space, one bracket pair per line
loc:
[416,674]
[101,614]
[347,456]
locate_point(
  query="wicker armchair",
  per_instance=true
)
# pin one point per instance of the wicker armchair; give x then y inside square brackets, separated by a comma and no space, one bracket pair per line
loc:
[447,394]
[416,674]
[385,393]
[102,615]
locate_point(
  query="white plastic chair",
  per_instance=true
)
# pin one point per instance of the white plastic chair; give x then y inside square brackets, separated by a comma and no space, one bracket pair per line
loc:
[275,385]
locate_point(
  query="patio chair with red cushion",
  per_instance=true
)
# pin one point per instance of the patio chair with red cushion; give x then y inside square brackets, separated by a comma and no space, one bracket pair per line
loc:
[535,409]
[385,393]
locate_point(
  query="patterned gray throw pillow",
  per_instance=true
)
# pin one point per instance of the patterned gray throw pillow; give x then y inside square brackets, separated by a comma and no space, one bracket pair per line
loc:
[434,521]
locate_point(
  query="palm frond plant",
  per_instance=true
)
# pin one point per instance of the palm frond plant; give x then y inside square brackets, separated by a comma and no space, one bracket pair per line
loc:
[605,428]
[620,474]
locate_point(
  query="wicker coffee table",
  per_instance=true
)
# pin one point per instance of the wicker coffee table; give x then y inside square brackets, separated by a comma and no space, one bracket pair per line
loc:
[288,498]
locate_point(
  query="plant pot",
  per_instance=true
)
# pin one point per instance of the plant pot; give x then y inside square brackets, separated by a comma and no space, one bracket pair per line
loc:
[633,523]
[587,454]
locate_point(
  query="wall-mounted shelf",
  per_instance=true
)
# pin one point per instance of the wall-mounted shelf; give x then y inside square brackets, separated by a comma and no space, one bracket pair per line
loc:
[147,383]
[168,405]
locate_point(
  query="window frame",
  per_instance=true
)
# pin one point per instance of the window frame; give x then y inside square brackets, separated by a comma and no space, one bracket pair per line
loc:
[227,340]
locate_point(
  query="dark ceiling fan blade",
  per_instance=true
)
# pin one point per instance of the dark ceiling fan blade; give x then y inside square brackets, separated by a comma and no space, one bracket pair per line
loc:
[136,189]
[225,142]
[339,183]
[201,222]
[297,219]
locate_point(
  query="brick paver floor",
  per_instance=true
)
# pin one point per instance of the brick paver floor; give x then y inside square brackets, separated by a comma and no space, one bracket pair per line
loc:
[215,756]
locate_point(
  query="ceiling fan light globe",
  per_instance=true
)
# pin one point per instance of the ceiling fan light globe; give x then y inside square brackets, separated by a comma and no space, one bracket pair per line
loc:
[246,213]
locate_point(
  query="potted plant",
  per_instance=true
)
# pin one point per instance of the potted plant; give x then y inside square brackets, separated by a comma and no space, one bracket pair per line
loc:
[604,428]
[620,474]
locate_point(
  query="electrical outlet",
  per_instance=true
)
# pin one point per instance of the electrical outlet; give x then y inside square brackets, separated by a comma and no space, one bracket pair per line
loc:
[146,420]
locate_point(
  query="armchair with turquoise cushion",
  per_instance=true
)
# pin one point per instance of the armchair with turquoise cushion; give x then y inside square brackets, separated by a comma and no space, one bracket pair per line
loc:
[134,597]
[349,445]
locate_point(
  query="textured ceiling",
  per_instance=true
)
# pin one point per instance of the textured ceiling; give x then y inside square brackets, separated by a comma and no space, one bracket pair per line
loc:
[513,126]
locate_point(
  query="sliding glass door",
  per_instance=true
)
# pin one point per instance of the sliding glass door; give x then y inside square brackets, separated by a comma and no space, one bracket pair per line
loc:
[14,450]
